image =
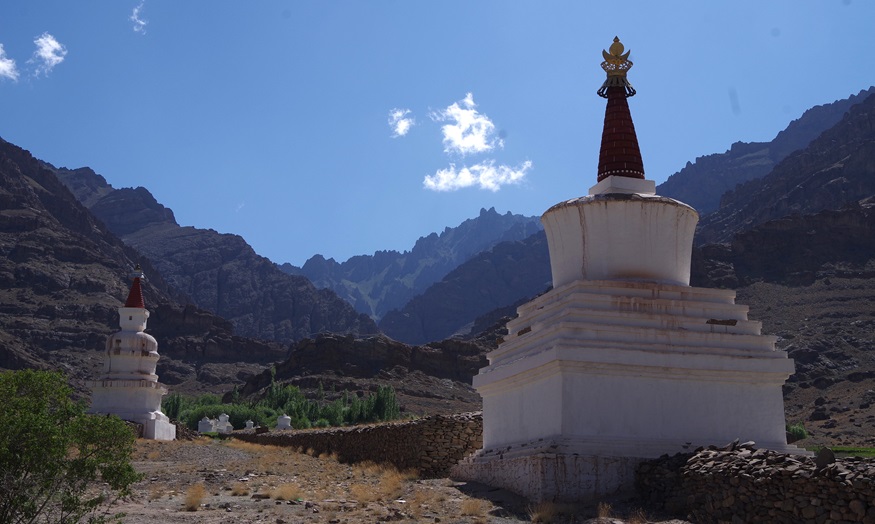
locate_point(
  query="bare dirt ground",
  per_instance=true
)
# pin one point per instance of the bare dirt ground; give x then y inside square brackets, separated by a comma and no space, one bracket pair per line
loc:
[213,481]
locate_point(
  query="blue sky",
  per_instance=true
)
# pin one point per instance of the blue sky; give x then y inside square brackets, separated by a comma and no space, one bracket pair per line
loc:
[342,128]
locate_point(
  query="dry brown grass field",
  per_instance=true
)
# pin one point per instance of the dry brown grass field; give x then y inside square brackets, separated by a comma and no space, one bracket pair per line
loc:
[213,481]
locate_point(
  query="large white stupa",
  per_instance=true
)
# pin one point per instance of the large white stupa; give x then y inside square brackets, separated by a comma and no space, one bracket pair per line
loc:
[622,360]
[129,387]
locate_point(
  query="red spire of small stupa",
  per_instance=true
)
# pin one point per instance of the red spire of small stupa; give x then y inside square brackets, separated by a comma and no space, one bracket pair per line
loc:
[135,297]
[619,154]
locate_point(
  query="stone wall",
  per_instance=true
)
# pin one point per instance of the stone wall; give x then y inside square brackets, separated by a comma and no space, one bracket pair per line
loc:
[430,445]
[744,484]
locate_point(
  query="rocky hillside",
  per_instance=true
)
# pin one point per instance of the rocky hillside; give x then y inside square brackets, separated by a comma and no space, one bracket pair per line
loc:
[703,182]
[835,170]
[811,281]
[507,273]
[220,272]
[429,379]
[378,283]
[63,276]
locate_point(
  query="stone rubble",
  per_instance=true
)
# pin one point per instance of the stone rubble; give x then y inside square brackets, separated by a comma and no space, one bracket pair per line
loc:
[740,483]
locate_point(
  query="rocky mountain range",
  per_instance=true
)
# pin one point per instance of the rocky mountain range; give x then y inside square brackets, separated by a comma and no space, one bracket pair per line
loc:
[703,182]
[433,314]
[219,272]
[803,265]
[506,274]
[63,275]
[387,280]
[837,169]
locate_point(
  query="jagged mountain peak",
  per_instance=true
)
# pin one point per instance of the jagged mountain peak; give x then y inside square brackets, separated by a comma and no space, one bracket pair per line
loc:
[375,284]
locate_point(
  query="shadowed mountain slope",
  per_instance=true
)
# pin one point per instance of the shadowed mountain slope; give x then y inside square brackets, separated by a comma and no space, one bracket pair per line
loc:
[220,272]
[835,170]
[503,275]
[63,276]
[702,182]
[375,284]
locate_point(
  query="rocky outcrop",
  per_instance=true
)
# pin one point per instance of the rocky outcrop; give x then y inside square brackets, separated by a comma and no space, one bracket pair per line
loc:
[745,484]
[835,170]
[219,272]
[378,283]
[703,182]
[496,278]
[794,250]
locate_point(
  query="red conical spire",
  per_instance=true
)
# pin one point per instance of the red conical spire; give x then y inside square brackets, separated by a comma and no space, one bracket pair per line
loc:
[135,297]
[619,154]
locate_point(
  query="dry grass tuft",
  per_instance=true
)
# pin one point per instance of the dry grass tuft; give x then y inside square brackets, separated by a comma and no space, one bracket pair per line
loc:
[605,511]
[156,492]
[194,497]
[369,468]
[475,507]
[363,493]
[286,492]
[240,489]
[637,517]
[543,512]
[391,484]
[419,502]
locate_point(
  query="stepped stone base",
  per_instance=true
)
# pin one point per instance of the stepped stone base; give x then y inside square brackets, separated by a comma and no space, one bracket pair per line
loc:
[553,477]
[596,376]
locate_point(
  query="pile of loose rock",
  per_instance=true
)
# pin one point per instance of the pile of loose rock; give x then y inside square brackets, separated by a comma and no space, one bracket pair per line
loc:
[740,483]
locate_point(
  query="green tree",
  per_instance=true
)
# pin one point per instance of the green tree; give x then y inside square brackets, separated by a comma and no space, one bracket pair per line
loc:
[53,455]
[172,405]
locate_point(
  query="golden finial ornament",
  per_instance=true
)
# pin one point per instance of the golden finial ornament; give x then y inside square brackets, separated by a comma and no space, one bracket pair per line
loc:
[616,65]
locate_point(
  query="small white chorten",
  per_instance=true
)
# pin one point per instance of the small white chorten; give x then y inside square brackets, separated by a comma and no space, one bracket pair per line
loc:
[129,387]
[622,360]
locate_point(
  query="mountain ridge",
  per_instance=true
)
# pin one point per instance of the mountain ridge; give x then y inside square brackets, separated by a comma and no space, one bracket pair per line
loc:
[375,284]
[702,183]
[220,272]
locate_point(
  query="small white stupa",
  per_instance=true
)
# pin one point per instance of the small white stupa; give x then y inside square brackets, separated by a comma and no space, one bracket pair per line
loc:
[622,360]
[129,387]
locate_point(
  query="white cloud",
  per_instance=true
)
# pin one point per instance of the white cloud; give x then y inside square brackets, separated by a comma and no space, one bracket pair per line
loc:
[400,122]
[469,131]
[139,23]
[485,175]
[49,53]
[7,66]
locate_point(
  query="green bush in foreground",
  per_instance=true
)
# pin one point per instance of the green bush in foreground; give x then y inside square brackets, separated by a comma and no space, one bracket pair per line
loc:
[53,455]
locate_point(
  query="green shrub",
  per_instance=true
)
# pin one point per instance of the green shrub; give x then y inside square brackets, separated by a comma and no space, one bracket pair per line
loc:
[172,405]
[797,431]
[53,455]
